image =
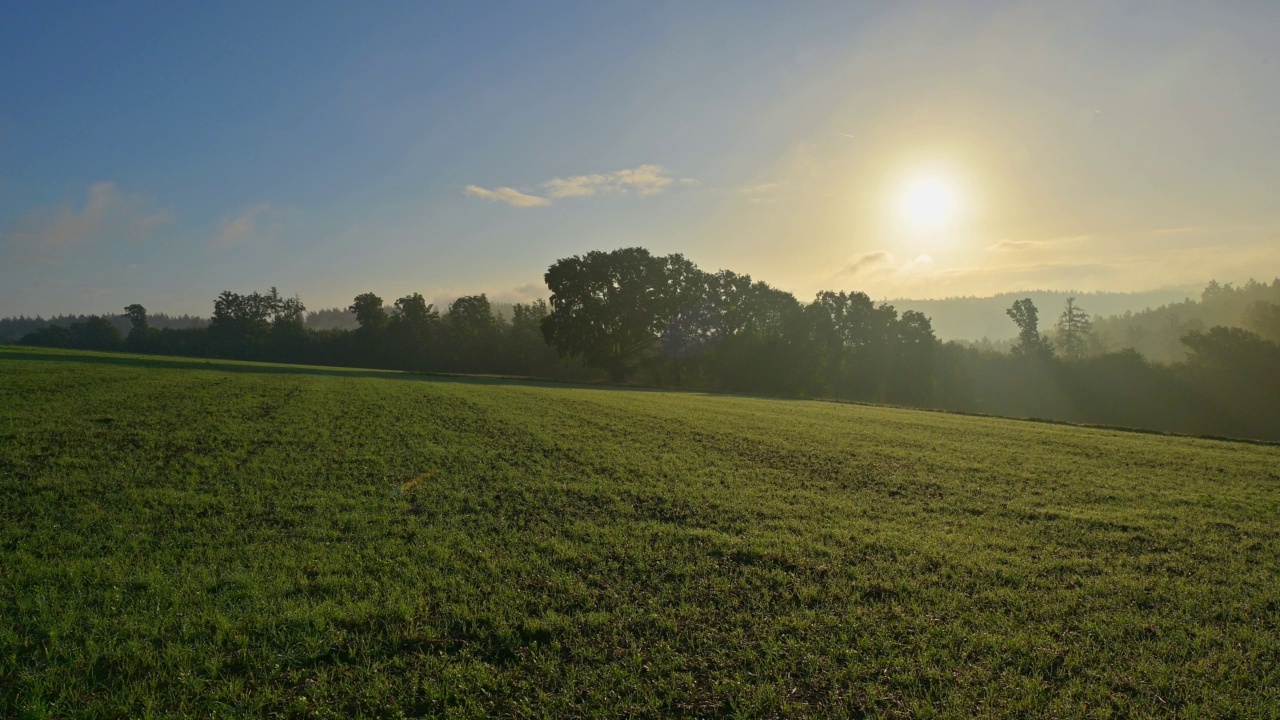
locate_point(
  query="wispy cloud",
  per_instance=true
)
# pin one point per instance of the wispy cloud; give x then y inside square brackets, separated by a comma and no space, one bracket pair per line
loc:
[644,180]
[49,234]
[510,196]
[236,230]
[1109,237]
[760,192]
[863,263]
[1014,245]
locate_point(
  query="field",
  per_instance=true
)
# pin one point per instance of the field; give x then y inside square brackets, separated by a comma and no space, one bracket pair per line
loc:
[192,538]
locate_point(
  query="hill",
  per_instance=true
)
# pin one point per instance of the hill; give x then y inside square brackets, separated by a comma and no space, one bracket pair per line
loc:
[974,318]
[207,538]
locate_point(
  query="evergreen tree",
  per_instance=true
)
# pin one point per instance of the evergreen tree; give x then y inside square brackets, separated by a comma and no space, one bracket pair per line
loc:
[1075,331]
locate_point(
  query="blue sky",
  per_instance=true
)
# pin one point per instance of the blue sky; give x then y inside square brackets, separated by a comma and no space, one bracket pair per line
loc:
[156,153]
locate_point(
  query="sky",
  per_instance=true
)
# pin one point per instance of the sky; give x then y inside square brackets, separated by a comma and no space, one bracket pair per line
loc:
[160,153]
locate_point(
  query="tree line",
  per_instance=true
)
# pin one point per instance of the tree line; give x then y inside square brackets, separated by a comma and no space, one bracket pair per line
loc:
[631,316]
[1157,333]
[15,328]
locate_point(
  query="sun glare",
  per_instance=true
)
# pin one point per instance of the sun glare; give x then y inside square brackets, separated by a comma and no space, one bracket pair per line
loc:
[928,202]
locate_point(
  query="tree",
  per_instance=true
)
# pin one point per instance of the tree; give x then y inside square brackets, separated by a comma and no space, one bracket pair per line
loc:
[855,338]
[473,333]
[412,333]
[415,312]
[1075,331]
[246,325]
[1264,318]
[471,316]
[287,313]
[1213,291]
[1031,344]
[526,320]
[610,308]
[914,349]
[1232,349]
[1234,372]
[526,351]
[137,318]
[96,333]
[762,339]
[369,313]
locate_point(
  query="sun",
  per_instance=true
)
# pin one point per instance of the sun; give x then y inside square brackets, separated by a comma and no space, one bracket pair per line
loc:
[928,202]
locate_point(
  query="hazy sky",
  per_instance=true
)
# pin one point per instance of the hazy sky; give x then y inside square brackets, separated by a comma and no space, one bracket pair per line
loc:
[162,152]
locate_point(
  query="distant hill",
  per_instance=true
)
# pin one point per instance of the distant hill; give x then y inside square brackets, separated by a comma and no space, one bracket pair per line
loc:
[974,318]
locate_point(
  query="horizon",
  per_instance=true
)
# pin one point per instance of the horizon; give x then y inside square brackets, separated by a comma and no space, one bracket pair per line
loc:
[913,152]
[442,303]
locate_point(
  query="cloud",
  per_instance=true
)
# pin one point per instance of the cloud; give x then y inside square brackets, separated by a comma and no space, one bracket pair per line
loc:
[1016,244]
[1013,245]
[49,234]
[866,262]
[1110,237]
[236,230]
[761,192]
[510,196]
[644,180]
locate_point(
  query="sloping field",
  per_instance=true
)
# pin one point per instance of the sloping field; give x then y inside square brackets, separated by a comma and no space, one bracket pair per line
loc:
[185,538]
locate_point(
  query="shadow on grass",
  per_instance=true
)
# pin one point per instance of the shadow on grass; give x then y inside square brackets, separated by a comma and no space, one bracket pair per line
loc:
[30,353]
[161,362]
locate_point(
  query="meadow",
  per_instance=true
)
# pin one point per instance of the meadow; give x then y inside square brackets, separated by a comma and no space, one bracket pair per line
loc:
[185,538]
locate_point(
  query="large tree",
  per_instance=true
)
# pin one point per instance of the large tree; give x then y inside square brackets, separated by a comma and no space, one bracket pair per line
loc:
[367,307]
[611,308]
[244,325]
[413,332]
[473,333]
[137,315]
[855,338]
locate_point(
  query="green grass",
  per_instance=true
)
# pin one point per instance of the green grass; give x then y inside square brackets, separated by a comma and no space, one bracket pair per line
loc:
[192,538]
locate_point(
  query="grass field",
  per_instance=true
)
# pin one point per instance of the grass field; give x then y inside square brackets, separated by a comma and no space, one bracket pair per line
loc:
[192,538]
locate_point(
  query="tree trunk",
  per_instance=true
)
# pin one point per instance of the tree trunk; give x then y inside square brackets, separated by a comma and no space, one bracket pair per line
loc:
[618,371]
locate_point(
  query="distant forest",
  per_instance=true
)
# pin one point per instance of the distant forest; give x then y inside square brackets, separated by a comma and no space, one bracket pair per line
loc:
[975,318]
[628,315]
[13,328]
[345,319]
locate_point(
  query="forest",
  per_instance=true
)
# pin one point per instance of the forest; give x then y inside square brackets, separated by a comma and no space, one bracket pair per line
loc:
[631,316]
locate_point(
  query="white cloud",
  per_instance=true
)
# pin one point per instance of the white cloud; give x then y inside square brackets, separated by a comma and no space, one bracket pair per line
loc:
[644,180]
[510,196]
[574,186]
[48,234]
